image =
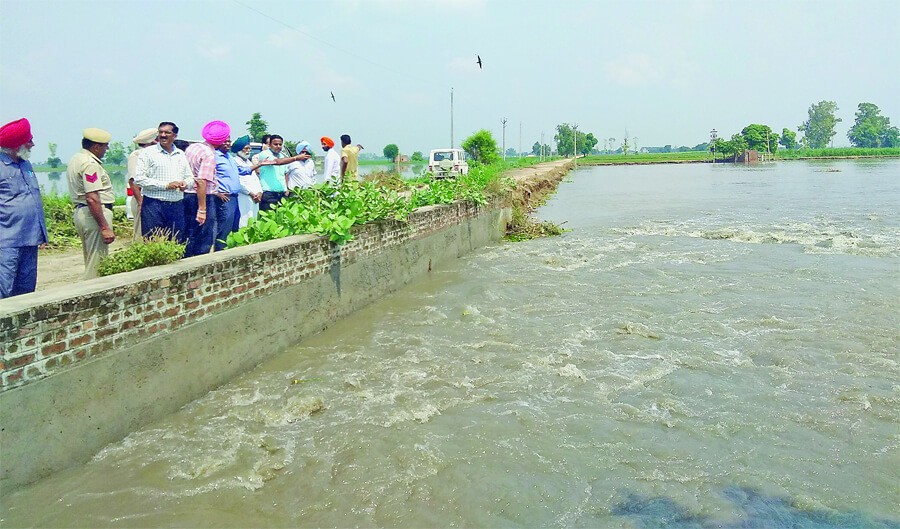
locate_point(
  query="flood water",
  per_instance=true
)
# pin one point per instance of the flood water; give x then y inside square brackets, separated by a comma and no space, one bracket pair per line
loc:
[708,347]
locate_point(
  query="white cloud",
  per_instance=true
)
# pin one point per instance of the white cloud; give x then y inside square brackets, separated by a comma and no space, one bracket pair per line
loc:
[633,70]
[216,53]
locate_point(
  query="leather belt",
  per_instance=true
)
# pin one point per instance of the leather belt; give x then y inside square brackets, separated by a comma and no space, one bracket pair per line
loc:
[107,206]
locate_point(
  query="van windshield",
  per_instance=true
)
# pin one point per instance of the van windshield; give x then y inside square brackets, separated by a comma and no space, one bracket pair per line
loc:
[443,155]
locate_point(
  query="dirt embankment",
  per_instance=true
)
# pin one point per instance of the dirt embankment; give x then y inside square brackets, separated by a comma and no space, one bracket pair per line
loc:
[534,183]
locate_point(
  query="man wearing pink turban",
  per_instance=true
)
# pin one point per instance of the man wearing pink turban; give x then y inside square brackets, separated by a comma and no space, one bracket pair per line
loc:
[202,159]
[22,225]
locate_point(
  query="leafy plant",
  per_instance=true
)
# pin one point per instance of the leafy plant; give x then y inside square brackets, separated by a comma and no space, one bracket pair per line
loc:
[59,216]
[158,250]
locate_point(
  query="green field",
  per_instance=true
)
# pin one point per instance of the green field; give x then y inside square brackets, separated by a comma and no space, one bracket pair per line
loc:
[667,157]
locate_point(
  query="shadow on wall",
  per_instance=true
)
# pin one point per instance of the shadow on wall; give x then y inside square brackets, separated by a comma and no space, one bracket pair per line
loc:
[758,511]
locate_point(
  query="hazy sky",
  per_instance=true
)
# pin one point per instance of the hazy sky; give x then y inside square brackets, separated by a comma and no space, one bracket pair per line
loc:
[668,71]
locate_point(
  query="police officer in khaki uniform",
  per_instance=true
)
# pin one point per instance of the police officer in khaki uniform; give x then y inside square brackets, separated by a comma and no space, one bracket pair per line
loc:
[92,194]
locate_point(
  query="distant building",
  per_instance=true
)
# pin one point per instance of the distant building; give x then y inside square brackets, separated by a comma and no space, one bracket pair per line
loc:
[401,158]
[749,156]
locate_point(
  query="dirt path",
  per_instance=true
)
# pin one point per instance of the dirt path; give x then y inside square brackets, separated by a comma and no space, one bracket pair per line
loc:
[532,183]
[64,268]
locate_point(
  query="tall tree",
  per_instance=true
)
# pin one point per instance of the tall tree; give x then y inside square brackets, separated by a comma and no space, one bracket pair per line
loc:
[536,148]
[257,127]
[565,139]
[116,153]
[482,147]
[819,128]
[586,143]
[760,138]
[391,151]
[788,139]
[871,129]
[53,160]
[417,157]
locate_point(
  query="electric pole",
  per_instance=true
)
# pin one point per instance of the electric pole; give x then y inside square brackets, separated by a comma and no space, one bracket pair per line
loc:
[451,117]
[504,137]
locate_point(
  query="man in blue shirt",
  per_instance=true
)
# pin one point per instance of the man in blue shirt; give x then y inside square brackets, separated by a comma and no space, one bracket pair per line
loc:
[225,203]
[22,224]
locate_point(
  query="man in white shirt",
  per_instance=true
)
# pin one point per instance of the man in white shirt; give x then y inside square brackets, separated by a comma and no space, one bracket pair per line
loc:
[302,172]
[163,173]
[332,171]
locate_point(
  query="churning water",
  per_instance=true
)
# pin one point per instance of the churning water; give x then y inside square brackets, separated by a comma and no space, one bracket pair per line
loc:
[708,347]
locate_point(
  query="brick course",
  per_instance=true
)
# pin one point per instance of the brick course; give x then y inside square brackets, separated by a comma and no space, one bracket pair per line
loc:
[40,340]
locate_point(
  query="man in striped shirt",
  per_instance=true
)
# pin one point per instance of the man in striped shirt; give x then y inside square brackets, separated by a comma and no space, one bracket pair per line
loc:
[202,159]
[163,174]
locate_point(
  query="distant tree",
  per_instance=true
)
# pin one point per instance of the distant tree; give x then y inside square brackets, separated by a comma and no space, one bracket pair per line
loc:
[536,148]
[667,148]
[257,127]
[586,143]
[701,147]
[760,138]
[417,157]
[511,153]
[565,139]
[719,147]
[819,128]
[871,129]
[482,147]
[53,160]
[289,146]
[116,154]
[891,137]
[391,151]
[734,147]
[788,139]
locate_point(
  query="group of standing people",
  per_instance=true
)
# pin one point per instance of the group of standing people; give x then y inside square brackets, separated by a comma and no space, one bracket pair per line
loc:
[196,195]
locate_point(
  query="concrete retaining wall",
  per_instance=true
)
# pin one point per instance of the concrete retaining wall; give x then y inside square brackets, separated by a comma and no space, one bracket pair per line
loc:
[85,365]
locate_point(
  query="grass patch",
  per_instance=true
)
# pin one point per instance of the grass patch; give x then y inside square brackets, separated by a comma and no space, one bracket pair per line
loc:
[661,157]
[158,250]
[59,213]
[523,227]
[836,152]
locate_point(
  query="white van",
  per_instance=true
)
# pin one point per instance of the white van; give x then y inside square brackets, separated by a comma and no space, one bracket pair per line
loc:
[447,163]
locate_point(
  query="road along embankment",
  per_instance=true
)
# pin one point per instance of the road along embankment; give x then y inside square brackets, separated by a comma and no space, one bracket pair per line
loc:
[83,365]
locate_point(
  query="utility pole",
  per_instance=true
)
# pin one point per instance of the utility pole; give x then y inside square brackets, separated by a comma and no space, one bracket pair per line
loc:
[542,146]
[451,117]
[520,140]
[575,143]
[713,136]
[504,137]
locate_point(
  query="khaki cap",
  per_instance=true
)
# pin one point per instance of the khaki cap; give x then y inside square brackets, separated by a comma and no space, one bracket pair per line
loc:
[145,136]
[97,135]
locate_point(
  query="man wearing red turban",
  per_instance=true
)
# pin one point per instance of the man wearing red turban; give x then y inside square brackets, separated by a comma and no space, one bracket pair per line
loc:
[22,224]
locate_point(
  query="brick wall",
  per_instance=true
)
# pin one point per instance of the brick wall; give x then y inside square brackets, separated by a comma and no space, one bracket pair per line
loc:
[45,333]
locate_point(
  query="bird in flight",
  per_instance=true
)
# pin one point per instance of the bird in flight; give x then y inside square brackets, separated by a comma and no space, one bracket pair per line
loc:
[478,61]
[332,97]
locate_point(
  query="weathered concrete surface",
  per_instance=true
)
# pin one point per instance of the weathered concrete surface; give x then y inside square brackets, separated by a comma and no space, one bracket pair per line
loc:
[65,419]
[64,416]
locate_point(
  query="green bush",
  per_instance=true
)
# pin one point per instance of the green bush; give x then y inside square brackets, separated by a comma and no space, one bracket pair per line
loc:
[59,215]
[158,250]
[332,211]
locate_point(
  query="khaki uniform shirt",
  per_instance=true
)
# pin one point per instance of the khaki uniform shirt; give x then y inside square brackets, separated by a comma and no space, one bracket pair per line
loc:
[352,154]
[86,175]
